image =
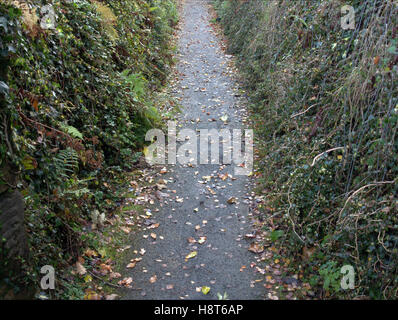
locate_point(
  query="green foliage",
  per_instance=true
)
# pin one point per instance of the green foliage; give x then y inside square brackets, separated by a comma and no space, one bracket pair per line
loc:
[330,273]
[66,163]
[72,131]
[76,103]
[325,111]
[276,234]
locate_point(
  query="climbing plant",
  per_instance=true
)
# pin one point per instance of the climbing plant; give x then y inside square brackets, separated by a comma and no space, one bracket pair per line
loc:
[324,105]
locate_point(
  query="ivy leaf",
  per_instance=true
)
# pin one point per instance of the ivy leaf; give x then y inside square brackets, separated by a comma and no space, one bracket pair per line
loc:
[392,50]
[205,290]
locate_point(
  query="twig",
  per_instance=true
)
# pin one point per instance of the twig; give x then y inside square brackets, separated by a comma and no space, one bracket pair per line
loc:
[23,116]
[360,189]
[291,219]
[321,154]
[300,113]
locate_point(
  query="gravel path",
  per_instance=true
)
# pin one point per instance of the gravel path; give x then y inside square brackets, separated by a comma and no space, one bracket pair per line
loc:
[223,261]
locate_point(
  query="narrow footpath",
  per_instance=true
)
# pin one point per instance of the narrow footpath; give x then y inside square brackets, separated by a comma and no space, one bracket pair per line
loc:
[201,240]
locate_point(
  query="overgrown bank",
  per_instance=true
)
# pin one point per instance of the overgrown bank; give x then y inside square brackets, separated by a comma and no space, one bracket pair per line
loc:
[325,110]
[76,102]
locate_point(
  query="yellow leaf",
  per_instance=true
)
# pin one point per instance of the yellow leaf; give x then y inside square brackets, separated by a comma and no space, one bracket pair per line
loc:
[102,252]
[88,278]
[191,255]
[205,290]
[145,151]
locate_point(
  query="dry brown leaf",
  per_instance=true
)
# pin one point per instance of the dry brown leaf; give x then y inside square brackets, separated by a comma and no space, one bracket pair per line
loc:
[91,295]
[112,296]
[114,275]
[231,200]
[126,282]
[154,226]
[80,269]
[90,253]
[153,279]
[256,248]
[191,240]
[163,170]
[105,268]
[126,230]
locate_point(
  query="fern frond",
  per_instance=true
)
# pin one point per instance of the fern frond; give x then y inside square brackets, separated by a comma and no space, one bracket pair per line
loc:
[66,162]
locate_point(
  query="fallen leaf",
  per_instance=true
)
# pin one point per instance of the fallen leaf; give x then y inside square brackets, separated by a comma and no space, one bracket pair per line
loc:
[114,275]
[191,255]
[153,279]
[163,170]
[88,278]
[202,240]
[104,268]
[205,290]
[91,295]
[256,248]
[126,282]
[191,240]
[224,118]
[112,296]
[90,253]
[126,230]
[80,269]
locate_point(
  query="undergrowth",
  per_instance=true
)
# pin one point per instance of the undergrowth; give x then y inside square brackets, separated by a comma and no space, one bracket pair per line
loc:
[76,102]
[325,111]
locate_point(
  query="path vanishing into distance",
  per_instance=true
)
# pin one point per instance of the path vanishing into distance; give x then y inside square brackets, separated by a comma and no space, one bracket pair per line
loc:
[197,217]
